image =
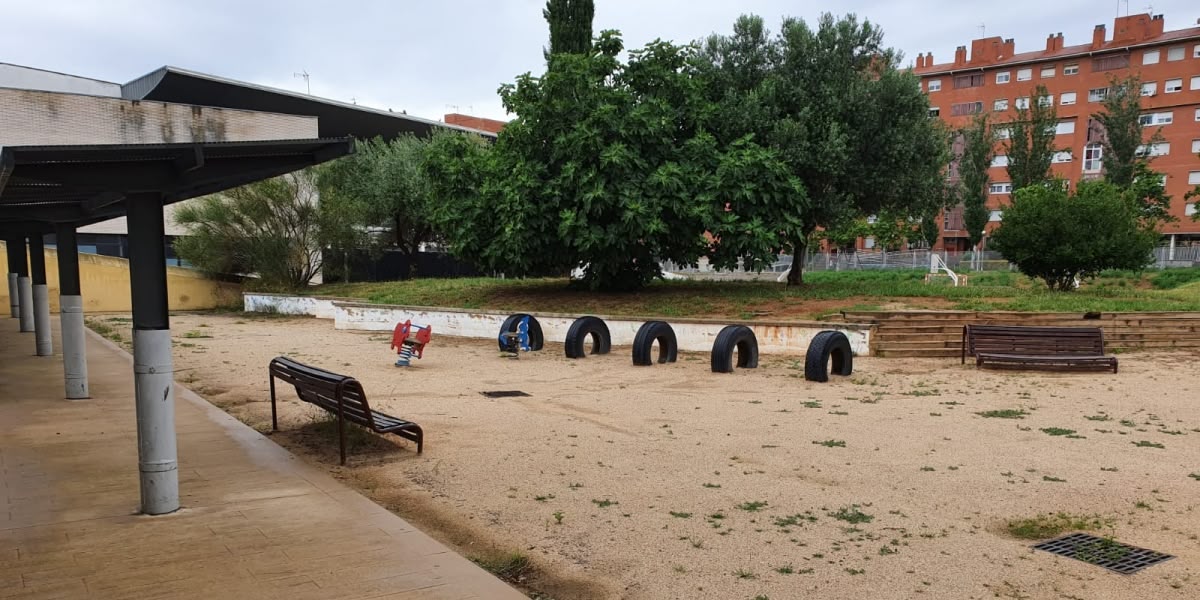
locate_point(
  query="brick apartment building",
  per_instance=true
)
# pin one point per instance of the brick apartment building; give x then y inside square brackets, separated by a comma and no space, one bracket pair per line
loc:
[994,79]
[480,123]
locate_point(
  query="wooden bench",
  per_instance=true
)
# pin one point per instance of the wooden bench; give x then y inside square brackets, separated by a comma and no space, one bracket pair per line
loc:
[1054,348]
[341,395]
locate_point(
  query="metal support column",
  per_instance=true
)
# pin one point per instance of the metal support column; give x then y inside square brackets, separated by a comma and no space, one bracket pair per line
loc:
[70,304]
[153,371]
[41,296]
[14,294]
[24,288]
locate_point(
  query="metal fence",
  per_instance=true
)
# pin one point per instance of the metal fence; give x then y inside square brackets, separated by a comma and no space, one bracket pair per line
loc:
[862,260]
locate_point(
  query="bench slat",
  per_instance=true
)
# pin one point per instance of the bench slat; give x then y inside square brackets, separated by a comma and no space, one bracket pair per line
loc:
[1051,347]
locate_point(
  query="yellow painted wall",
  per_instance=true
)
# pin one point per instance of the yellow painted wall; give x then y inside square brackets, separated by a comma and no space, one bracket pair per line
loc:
[104,282]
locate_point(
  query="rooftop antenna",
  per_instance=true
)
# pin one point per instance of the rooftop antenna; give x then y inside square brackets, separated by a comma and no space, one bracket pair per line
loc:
[982,30]
[304,75]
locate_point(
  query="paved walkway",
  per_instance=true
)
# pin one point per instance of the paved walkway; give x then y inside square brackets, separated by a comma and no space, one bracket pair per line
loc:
[257,522]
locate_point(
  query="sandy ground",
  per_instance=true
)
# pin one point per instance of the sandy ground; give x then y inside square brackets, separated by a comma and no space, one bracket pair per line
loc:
[674,482]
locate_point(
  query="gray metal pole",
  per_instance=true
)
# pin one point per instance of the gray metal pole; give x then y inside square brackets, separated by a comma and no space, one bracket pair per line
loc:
[24,288]
[70,305]
[153,369]
[41,296]
[14,294]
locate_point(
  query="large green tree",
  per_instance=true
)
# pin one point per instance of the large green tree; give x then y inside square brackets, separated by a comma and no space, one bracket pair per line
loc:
[831,101]
[570,26]
[1030,145]
[977,148]
[1061,238]
[1125,147]
[608,168]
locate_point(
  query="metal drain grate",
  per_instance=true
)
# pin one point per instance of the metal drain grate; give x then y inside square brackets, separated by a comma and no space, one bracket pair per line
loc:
[1114,556]
[504,394]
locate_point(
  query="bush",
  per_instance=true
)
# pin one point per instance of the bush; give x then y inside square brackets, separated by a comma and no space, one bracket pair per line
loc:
[1059,238]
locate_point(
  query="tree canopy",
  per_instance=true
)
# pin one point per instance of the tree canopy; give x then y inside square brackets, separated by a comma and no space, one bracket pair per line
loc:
[1126,156]
[1030,145]
[570,26]
[977,144]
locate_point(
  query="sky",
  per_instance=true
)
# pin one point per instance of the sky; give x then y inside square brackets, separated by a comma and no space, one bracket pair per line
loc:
[434,57]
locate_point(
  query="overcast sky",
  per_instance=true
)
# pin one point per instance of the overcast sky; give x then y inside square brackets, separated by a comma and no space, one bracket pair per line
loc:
[434,57]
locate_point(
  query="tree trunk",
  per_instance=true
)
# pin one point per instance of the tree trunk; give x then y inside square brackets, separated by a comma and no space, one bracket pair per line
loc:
[796,274]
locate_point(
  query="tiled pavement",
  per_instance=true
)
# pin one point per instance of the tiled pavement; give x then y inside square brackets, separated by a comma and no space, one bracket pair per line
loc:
[256,521]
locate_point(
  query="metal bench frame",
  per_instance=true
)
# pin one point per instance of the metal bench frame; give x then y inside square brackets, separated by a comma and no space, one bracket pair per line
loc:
[341,395]
[1058,348]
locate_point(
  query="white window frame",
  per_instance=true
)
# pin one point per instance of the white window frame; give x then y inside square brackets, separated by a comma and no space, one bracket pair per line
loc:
[1062,156]
[1064,128]
[1025,74]
[1173,86]
[1195,85]
[1045,100]
[1022,103]
[1151,57]
[1196,51]
[1000,105]
[1097,94]
[1074,69]
[868,243]
[1048,72]
[1195,146]
[1003,77]
[1150,88]
[1155,149]
[1003,133]
[1000,187]
[1163,118]
[1000,160]
[934,85]
[1198,114]
[1093,158]
[995,216]
[1189,209]
[934,112]
[1177,53]
[1068,98]
[1194,178]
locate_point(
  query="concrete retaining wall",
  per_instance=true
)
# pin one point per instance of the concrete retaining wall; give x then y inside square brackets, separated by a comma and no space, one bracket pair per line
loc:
[694,335]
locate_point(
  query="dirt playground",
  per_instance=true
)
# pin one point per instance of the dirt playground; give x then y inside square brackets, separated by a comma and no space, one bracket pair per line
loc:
[910,479]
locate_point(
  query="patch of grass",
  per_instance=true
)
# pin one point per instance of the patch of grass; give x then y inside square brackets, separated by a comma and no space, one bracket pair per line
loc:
[544,498]
[785,569]
[812,404]
[755,506]
[831,443]
[711,485]
[745,574]
[510,566]
[196,335]
[558,516]
[1147,444]
[1053,479]
[852,514]
[928,469]
[605,503]
[681,515]
[1044,527]
[1006,413]
[1057,431]
[1099,417]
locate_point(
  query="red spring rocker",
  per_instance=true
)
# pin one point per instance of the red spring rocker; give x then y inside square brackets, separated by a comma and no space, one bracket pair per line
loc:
[409,339]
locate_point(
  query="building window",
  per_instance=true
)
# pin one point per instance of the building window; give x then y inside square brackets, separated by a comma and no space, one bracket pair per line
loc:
[966,108]
[1024,74]
[1045,100]
[1189,209]
[1198,114]
[935,85]
[1196,51]
[1063,156]
[1150,88]
[1194,178]
[1093,158]
[995,216]
[1003,133]
[1150,57]
[1158,149]
[1067,98]
[1022,103]
[1000,160]
[1195,146]
[1196,82]
[1003,76]
[1064,128]
[1097,95]
[1176,53]
[968,81]
[1160,118]
[1047,72]
[934,111]
[1000,188]
[1108,63]
[1074,69]
[1173,85]
[869,243]
[1000,105]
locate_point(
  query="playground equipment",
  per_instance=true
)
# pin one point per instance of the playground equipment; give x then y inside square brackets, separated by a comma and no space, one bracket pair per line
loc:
[520,333]
[581,330]
[409,339]
[647,335]
[825,346]
[936,268]
[734,337]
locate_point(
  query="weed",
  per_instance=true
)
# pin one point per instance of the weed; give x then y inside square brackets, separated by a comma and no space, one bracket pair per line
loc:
[1007,413]
[510,566]
[1109,469]
[855,571]
[885,550]
[544,498]
[831,443]
[712,485]
[812,404]
[697,543]
[575,486]
[681,515]
[785,570]
[852,514]
[755,506]
[680,569]
[1053,479]
[605,503]
[928,469]
[1195,476]
[196,335]
[1147,444]
[717,516]
[744,574]
[1047,526]
[1102,550]
[558,516]
[1057,431]
[1099,417]
[793,520]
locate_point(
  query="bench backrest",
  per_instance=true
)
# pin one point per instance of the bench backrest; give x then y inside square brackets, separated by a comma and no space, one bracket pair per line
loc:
[1012,339]
[325,389]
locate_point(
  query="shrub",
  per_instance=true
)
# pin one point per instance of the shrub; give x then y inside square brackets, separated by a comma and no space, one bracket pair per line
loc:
[1059,238]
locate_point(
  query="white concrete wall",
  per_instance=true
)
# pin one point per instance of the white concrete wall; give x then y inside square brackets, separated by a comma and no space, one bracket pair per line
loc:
[27,78]
[694,335]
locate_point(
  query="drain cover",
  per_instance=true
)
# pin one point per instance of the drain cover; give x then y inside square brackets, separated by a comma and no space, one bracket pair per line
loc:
[1114,556]
[504,394]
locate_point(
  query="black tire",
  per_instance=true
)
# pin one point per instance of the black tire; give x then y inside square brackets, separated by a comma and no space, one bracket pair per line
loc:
[643,342]
[536,339]
[580,331]
[734,337]
[828,346]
